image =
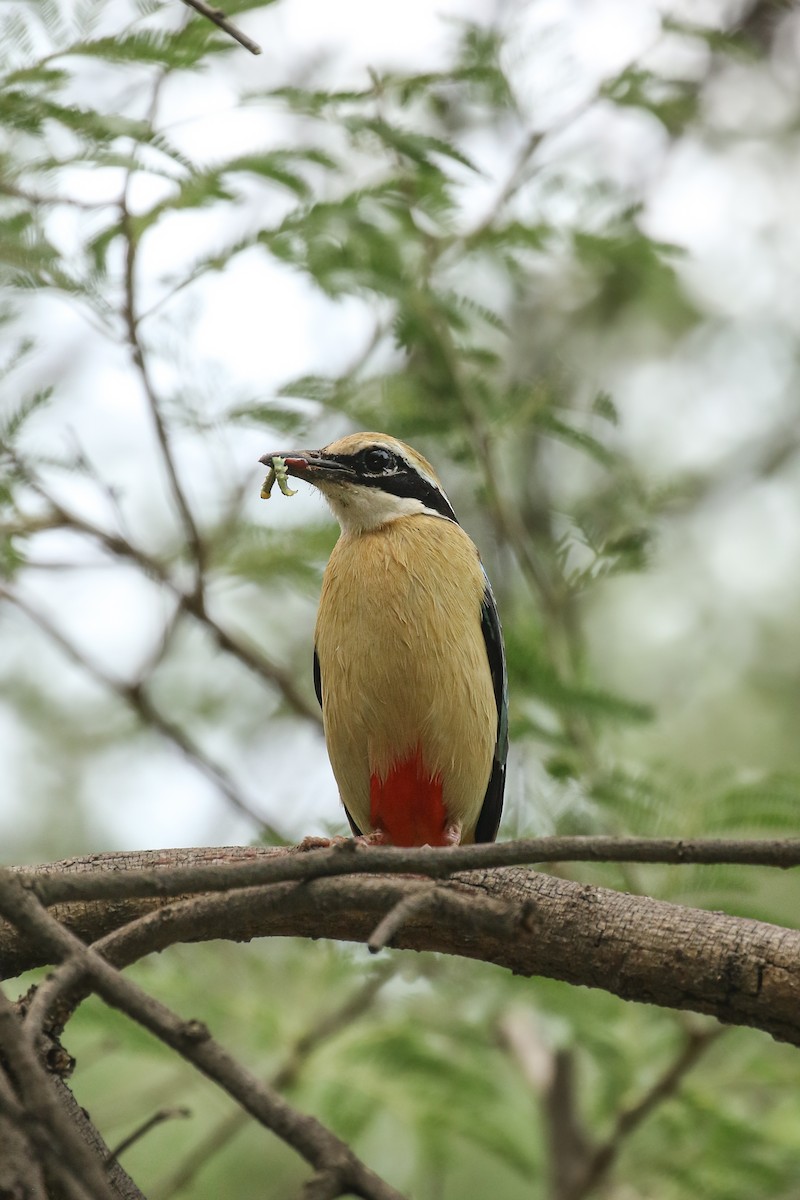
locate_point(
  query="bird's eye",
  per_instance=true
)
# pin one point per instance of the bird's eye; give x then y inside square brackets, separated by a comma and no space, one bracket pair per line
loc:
[377,460]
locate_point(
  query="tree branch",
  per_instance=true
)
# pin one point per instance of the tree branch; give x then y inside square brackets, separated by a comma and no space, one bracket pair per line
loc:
[743,972]
[158,1118]
[124,548]
[121,1183]
[161,873]
[20,1174]
[325,1152]
[38,1113]
[577,1163]
[600,1161]
[354,1006]
[137,697]
[131,320]
[218,17]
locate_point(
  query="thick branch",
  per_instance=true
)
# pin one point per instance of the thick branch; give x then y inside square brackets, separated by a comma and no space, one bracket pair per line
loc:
[741,971]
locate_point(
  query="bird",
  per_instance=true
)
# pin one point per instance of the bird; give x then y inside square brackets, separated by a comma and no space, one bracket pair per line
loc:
[409,664]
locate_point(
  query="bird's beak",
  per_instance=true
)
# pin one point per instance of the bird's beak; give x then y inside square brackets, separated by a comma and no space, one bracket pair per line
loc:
[311,465]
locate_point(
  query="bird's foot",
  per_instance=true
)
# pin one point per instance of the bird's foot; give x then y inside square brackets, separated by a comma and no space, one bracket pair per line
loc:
[452,834]
[378,837]
[317,843]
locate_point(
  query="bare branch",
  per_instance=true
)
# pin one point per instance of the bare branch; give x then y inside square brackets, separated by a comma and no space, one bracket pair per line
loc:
[158,1118]
[40,1115]
[192,1040]
[358,1003]
[130,316]
[123,1186]
[219,19]
[122,547]
[577,1163]
[743,972]
[566,1135]
[238,867]
[604,1156]
[396,918]
[136,696]
[20,1173]
[550,1074]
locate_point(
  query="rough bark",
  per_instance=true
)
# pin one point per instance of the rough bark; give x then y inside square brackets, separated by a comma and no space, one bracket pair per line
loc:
[21,1175]
[741,971]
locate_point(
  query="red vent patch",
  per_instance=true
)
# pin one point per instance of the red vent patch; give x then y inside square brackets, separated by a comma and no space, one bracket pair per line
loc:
[407,805]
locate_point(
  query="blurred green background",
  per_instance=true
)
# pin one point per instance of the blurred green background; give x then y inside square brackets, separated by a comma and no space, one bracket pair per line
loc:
[555,247]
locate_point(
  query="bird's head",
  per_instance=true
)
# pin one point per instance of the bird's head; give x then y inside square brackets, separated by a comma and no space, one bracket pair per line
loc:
[370,479]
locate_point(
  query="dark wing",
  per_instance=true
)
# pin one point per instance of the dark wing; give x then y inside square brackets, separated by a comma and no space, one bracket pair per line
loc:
[489,819]
[317,678]
[318,690]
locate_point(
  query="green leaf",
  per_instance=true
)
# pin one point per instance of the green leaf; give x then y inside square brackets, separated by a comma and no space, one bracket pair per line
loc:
[627,268]
[603,406]
[183,49]
[14,416]
[279,417]
[320,388]
[419,147]
[266,554]
[549,423]
[532,674]
[278,166]
[674,102]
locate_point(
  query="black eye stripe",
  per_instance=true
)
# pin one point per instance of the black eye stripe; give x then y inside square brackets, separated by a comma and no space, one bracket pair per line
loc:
[406,483]
[400,479]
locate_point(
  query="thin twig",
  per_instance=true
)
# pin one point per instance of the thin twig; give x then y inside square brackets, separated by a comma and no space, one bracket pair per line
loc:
[88,1180]
[286,1076]
[137,697]
[250,657]
[130,317]
[221,21]
[158,1118]
[628,1120]
[192,1040]
[396,918]
[283,865]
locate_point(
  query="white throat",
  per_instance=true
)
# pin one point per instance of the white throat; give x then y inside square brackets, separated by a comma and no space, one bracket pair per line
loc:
[358,508]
